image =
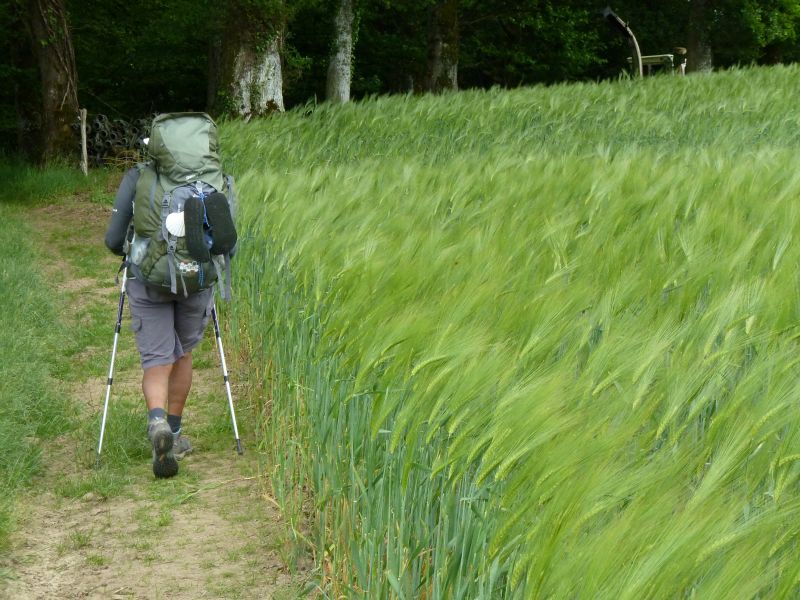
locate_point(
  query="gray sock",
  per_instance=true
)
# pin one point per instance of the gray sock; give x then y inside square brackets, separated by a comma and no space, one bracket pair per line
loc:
[155,414]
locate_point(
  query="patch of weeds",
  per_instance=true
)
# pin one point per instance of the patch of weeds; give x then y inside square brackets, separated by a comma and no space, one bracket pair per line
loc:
[164,517]
[234,555]
[84,351]
[128,362]
[80,539]
[76,540]
[150,558]
[293,592]
[142,545]
[85,258]
[99,196]
[104,483]
[239,518]
[146,524]
[205,361]
[224,587]
[215,430]
[125,440]
[97,560]
[250,548]
[177,490]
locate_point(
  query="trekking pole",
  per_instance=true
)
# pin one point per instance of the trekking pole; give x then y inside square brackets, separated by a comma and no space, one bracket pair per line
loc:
[225,378]
[113,356]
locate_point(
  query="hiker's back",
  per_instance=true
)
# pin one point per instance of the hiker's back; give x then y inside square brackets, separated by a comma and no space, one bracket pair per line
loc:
[182,220]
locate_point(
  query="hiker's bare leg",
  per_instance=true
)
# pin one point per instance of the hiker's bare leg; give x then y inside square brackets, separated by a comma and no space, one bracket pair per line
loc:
[155,385]
[168,385]
[180,382]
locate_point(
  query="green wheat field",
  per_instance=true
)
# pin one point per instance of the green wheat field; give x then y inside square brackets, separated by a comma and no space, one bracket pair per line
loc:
[541,343]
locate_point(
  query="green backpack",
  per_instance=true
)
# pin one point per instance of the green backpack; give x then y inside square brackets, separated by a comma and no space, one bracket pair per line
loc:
[183,228]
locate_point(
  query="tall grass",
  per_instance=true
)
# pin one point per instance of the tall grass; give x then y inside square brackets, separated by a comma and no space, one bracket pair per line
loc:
[28,184]
[29,337]
[538,343]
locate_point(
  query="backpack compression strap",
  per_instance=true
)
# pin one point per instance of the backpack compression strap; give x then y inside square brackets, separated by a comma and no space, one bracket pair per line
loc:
[225,292]
[225,282]
[172,243]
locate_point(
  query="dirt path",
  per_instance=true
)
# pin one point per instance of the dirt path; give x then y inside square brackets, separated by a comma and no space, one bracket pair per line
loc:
[116,532]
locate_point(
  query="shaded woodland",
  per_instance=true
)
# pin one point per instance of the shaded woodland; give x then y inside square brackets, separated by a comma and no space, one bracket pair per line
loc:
[249,58]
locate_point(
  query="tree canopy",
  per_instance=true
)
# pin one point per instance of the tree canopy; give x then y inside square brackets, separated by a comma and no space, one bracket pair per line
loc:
[138,57]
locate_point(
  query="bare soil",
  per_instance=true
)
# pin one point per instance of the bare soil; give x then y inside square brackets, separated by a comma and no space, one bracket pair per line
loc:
[211,532]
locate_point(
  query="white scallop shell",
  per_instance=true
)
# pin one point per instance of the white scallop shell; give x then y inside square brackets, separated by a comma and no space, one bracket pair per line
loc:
[175,224]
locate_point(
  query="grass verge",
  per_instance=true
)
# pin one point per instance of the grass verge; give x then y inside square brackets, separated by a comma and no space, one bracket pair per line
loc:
[27,184]
[32,411]
[35,347]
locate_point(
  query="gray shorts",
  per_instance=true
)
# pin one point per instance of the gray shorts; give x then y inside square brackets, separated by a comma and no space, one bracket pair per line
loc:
[166,325]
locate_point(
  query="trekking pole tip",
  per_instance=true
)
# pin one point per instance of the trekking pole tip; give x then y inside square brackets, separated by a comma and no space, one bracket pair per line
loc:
[239,449]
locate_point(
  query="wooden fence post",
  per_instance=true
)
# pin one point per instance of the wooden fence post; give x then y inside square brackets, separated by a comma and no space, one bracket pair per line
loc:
[84,154]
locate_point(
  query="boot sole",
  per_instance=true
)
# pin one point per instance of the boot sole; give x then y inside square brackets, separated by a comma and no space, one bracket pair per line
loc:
[181,455]
[222,227]
[164,462]
[195,240]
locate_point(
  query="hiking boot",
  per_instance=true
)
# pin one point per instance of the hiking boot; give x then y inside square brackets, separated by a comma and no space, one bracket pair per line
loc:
[164,462]
[194,216]
[223,231]
[181,446]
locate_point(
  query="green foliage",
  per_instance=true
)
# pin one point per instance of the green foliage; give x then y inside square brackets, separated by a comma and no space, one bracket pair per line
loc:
[33,185]
[18,80]
[137,58]
[746,31]
[307,50]
[502,333]
[511,44]
[393,35]
[264,12]
[32,412]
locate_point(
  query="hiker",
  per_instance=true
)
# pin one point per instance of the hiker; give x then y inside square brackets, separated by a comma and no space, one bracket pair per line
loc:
[177,238]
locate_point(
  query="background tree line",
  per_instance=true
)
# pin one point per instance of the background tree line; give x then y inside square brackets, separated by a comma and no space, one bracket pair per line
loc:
[247,58]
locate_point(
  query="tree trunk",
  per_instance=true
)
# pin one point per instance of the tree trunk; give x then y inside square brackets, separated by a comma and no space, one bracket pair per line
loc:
[250,72]
[700,57]
[773,53]
[52,46]
[340,65]
[442,72]
[257,85]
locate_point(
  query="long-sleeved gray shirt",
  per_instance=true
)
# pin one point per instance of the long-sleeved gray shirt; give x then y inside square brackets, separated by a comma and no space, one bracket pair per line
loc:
[122,213]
